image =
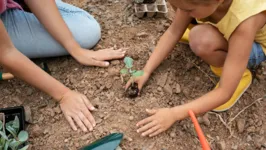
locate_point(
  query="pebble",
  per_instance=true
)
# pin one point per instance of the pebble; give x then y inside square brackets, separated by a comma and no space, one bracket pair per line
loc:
[115,62]
[162,80]
[131,118]
[241,125]
[251,129]
[173,134]
[28,116]
[197,78]
[206,119]
[77,145]
[167,88]
[221,145]
[249,138]
[177,88]
[29,92]
[159,89]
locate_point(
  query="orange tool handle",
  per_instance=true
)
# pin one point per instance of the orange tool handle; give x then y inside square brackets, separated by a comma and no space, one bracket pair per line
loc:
[203,141]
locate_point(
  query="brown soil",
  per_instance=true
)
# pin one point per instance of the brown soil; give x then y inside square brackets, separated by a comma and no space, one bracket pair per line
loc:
[103,86]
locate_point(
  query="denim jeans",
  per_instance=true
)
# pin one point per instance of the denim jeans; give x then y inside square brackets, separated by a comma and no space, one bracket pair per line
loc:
[256,56]
[31,38]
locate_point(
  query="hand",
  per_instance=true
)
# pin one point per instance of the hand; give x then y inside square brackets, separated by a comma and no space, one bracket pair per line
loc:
[76,106]
[141,80]
[98,58]
[161,120]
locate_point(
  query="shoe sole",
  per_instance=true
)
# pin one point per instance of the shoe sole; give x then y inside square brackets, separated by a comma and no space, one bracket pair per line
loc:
[236,99]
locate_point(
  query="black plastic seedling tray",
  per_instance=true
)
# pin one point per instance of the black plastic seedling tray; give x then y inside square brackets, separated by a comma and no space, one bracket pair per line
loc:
[12,112]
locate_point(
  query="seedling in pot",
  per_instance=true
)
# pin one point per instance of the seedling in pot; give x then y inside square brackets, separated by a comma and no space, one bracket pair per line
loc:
[11,137]
[133,90]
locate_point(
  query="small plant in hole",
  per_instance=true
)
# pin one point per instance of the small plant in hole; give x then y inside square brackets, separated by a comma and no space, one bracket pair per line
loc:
[10,136]
[133,90]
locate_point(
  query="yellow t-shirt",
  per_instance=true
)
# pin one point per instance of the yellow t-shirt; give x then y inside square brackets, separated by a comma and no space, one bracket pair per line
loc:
[239,11]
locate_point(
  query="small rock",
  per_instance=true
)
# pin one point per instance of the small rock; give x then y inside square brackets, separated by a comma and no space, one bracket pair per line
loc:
[167,88]
[241,125]
[57,109]
[99,120]
[177,88]
[206,119]
[77,145]
[159,89]
[66,140]
[142,34]
[197,78]
[234,147]
[249,138]
[162,80]
[221,145]
[51,112]
[115,62]
[131,118]
[251,129]
[128,138]
[29,92]
[28,116]
[173,134]
[36,131]
[200,120]
[112,71]
[46,131]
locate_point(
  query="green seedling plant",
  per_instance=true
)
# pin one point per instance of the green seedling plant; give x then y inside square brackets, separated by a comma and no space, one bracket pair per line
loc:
[129,71]
[15,138]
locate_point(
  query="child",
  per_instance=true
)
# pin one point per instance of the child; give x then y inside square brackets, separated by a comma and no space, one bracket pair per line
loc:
[231,36]
[54,28]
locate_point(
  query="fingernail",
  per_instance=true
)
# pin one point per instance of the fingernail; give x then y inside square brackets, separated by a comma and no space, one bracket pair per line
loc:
[107,63]
[94,124]
[93,108]
[142,134]
[138,131]
[91,129]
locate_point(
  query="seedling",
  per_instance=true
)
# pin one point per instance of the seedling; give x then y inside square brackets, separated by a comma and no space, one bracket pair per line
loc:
[133,90]
[11,137]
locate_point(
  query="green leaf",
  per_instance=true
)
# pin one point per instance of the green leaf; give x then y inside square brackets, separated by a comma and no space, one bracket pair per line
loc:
[129,62]
[132,71]
[14,144]
[3,135]
[138,73]
[16,123]
[1,125]
[6,145]
[12,131]
[24,148]
[124,71]
[23,136]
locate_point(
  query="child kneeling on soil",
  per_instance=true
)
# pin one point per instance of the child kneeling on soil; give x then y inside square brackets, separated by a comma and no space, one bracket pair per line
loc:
[231,38]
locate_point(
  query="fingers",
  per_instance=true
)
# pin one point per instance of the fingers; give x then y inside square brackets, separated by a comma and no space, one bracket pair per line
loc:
[85,121]
[79,123]
[147,127]
[129,83]
[151,130]
[88,103]
[145,121]
[99,63]
[156,132]
[71,122]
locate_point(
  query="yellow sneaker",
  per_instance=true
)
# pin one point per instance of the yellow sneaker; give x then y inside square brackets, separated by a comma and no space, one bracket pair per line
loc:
[217,71]
[184,38]
[243,85]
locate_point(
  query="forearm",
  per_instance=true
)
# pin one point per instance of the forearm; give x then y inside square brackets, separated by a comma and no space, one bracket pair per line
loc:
[47,13]
[23,68]
[20,66]
[165,46]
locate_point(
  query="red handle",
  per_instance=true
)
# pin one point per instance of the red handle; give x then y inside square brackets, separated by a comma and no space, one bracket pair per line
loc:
[203,141]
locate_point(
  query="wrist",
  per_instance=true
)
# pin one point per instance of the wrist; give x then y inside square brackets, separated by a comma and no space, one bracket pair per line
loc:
[179,113]
[72,47]
[60,95]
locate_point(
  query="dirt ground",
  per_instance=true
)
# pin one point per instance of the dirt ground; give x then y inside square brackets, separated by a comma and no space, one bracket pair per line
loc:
[120,28]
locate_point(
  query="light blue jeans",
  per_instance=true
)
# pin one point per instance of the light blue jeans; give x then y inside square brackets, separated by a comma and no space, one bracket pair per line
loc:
[256,56]
[31,38]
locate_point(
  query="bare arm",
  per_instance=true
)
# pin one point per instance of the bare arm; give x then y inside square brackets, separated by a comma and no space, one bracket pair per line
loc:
[240,45]
[47,13]
[168,41]
[25,69]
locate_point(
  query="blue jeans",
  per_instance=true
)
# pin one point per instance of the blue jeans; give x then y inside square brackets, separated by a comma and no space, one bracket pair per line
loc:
[256,56]
[31,38]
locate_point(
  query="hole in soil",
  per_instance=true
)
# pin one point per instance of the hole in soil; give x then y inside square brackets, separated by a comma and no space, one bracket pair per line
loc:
[161,8]
[149,1]
[151,8]
[132,91]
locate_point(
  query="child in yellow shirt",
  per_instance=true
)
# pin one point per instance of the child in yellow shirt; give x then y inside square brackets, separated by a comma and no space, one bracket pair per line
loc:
[231,37]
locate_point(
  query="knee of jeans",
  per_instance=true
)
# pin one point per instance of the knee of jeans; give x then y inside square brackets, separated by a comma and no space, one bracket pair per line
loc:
[87,32]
